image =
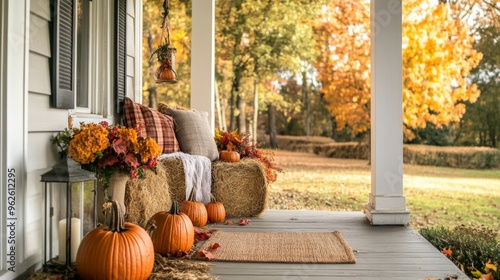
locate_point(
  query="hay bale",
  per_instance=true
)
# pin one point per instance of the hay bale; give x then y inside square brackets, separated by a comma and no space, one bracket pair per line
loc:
[240,186]
[175,178]
[146,196]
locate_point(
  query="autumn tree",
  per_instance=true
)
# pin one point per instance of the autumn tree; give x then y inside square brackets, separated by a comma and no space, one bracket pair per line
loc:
[438,56]
[343,49]
[256,40]
[180,24]
[301,101]
[481,123]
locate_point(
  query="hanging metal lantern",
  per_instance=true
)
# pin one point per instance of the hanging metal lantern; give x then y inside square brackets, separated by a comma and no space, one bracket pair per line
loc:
[165,53]
[165,73]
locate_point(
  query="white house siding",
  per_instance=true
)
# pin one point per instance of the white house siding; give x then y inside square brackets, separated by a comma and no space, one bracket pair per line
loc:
[44,121]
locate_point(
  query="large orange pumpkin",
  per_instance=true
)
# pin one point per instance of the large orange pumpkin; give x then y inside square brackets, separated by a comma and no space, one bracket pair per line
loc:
[216,210]
[195,210]
[174,231]
[116,251]
[230,156]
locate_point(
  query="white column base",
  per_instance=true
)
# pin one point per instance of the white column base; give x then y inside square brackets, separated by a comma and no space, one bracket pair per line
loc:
[387,217]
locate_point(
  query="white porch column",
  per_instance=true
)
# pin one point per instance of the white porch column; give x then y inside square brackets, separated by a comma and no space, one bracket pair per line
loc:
[387,204]
[14,45]
[203,58]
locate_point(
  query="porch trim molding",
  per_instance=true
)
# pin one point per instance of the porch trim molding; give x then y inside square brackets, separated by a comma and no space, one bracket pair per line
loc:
[387,203]
[203,58]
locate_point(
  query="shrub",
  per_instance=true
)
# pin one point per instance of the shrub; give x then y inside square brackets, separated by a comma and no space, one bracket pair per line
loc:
[475,250]
[455,157]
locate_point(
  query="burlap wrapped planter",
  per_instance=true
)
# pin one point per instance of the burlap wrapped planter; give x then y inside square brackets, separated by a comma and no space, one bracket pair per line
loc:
[240,186]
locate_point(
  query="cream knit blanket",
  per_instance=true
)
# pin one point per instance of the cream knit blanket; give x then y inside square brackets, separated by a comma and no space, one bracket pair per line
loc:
[198,173]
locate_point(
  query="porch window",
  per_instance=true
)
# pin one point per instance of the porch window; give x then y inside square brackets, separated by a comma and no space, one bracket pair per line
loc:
[88,56]
[83,43]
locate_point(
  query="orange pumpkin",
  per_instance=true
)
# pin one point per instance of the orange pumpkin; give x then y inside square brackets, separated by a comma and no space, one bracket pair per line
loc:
[165,74]
[195,210]
[230,156]
[116,251]
[174,231]
[215,210]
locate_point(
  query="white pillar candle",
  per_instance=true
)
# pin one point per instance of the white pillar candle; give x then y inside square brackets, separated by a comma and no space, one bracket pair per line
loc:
[75,238]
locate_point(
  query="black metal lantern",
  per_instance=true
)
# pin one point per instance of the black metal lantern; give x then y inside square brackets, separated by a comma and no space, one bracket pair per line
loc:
[75,212]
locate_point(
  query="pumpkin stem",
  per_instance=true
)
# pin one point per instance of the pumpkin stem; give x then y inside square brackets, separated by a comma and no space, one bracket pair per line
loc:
[192,195]
[150,227]
[212,198]
[116,221]
[175,208]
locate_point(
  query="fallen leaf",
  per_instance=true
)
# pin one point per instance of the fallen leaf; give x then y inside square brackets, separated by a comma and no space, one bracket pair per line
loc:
[180,254]
[204,255]
[488,276]
[229,222]
[490,266]
[446,251]
[214,246]
[244,222]
[476,273]
[200,235]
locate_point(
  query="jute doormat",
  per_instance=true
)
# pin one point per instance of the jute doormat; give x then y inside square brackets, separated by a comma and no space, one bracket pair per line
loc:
[281,247]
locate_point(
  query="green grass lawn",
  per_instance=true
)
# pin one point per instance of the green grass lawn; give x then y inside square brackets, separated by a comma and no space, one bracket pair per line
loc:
[436,196]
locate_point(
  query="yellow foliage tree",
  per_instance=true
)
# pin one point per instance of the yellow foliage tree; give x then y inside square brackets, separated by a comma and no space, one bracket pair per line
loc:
[342,34]
[437,58]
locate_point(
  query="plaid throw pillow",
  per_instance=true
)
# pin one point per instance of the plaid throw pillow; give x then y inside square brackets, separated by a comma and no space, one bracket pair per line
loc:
[151,123]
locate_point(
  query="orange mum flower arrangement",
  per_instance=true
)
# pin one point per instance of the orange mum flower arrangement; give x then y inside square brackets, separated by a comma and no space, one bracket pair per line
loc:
[106,149]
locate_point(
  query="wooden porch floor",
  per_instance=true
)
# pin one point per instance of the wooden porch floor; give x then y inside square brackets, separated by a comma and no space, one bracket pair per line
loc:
[382,252]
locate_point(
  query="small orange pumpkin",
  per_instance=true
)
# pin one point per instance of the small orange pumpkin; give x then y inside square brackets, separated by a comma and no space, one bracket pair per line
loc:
[174,231]
[195,210]
[165,74]
[230,156]
[101,252]
[215,210]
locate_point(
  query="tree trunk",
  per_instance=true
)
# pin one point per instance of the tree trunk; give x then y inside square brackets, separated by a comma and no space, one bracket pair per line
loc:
[232,117]
[152,97]
[335,134]
[151,80]
[306,102]
[220,115]
[235,92]
[242,114]
[271,113]
[255,109]
[223,113]
[492,136]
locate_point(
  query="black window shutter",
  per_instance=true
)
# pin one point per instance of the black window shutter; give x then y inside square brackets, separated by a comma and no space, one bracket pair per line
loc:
[121,54]
[63,55]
